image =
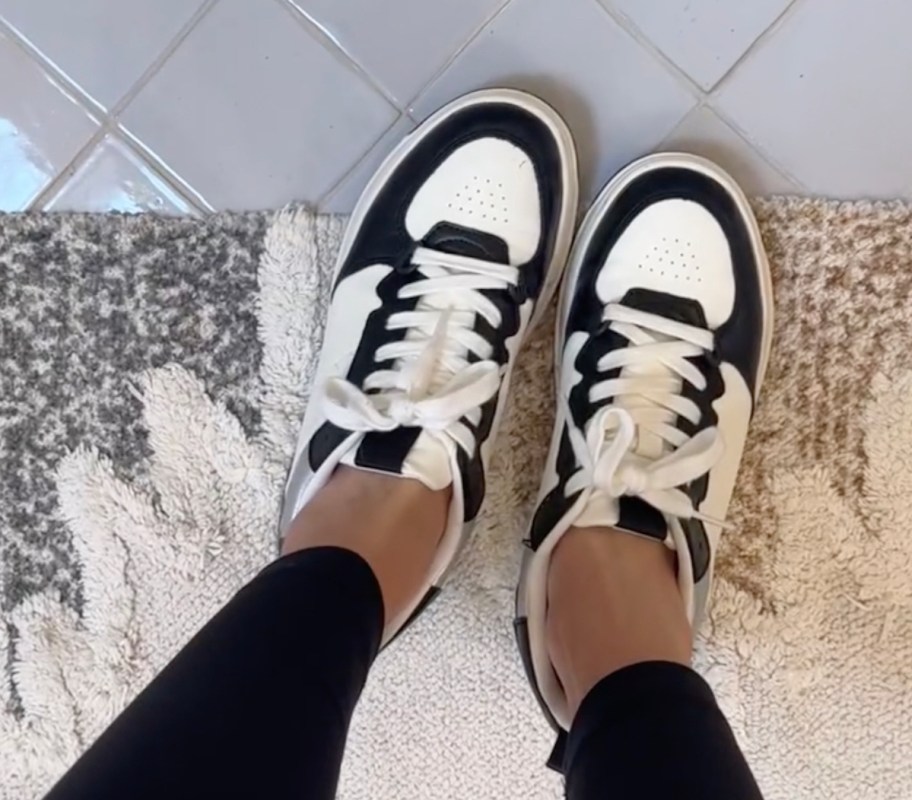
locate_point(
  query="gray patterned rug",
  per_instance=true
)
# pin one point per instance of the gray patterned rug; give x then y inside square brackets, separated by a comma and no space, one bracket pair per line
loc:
[146,419]
[87,303]
[153,373]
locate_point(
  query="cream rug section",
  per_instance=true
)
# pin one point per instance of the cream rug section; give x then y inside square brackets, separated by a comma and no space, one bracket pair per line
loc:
[809,645]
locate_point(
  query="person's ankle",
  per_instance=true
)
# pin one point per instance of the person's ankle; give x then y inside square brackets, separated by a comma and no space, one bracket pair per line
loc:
[613,601]
[393,523]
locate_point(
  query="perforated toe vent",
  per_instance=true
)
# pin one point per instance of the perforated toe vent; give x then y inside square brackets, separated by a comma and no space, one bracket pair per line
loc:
[677,247]
[482,198]
[673,258]
[487,185]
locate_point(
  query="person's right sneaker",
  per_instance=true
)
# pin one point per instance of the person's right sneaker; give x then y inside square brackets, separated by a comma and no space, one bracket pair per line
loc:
[451,256]
[663,337]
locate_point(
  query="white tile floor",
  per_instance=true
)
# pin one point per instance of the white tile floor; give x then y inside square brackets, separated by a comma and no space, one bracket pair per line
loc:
[185,106]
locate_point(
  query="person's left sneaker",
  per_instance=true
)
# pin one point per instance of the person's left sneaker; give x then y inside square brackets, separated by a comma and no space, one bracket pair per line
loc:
[450,257]
[663,337]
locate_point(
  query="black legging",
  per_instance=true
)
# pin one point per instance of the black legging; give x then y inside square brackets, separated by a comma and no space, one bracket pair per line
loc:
[259,702]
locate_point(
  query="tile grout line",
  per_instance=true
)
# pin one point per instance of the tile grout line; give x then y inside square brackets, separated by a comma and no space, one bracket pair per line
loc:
[633,31]
[765,34]
[84,101]
[164,172]
[335,49]
[760,153]
[194,199]
[66,84]
[323,38]
[405,112]
[704,97]
[159,61]
[700,95]
[110,130]
[59,181]
[701,104]
[760,149]
[360,160]
[110,124]
[459,51]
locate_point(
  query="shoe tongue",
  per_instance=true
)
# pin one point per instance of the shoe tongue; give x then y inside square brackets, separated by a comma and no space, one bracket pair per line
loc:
[411,452]
[632,514]
[449,237]
[406,452]
[628,514]
[679,309]
[670,306]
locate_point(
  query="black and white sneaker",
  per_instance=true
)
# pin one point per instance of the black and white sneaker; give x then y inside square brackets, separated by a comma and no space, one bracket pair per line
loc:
[663,338]
[451,255]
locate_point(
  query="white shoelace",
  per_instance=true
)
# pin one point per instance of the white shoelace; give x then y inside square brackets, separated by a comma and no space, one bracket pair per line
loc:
[431,383]
[632,447]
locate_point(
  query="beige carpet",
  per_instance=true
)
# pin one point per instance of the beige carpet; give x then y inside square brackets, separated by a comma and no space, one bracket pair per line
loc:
[810,641]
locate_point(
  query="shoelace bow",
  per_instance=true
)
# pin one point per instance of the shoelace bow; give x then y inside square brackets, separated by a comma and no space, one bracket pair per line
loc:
[431,383]
[647,403]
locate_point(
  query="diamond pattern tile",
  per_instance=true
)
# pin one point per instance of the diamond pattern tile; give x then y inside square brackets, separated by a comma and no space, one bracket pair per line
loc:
[703,37]
[704,133]
[102,45]
[342,199]
[828,97]
[618,100]
[115,178]
[402,43]
[256,103]
[41,128]
[253,112]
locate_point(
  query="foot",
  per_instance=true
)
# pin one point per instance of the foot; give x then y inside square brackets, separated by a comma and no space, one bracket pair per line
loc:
[450,256]
[663,338]
[613,601]
[393,523]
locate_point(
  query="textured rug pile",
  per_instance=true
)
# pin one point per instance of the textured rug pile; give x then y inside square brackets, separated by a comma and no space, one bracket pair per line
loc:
[152,376]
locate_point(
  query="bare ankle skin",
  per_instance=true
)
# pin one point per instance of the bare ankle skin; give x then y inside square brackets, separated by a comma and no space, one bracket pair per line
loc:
[393,523]
[613,601]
